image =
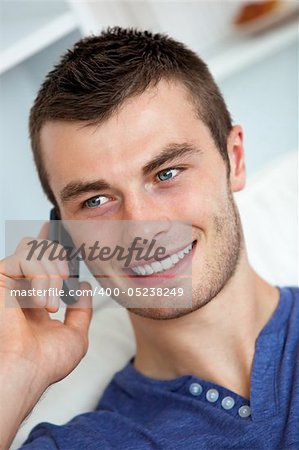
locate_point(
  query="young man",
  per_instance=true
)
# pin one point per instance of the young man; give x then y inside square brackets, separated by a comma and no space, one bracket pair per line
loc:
[149,137]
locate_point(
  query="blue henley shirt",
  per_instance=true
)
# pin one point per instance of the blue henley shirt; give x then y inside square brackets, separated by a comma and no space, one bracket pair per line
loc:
[137,412]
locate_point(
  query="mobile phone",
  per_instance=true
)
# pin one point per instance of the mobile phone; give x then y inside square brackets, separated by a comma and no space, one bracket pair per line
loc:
[58,233]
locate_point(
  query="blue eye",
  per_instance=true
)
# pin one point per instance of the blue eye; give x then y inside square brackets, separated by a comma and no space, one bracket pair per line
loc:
[95,202]
[167,174]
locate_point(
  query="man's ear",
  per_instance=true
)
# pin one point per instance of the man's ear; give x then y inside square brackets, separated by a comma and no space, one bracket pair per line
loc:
[235,151]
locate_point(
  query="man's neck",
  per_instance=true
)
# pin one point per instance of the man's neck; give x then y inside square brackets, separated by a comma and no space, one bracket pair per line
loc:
[215,342]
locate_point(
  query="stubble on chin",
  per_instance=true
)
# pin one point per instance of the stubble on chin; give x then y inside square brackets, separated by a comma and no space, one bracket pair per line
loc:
[221,264]
[217,268]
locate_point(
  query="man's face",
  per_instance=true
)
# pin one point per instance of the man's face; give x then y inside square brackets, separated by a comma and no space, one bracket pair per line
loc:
[152,160]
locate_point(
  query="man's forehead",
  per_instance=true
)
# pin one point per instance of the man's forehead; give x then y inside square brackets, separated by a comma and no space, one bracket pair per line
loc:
[168,96]
[127,140]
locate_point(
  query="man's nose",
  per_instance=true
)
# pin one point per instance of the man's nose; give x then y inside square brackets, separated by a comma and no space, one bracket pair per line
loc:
[145,232]
[140,205]
[143,217]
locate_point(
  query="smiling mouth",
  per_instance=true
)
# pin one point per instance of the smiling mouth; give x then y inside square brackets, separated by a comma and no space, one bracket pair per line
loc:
[163,265]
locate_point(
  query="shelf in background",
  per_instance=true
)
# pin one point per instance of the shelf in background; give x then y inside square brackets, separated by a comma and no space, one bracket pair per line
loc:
[236,53]
[206,27]
[29,27]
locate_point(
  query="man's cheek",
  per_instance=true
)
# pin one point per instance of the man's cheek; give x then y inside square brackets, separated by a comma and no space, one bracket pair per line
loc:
[198,204]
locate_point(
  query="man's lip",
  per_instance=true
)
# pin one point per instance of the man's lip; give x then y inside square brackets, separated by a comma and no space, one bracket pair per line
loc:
[142,262]
[177,272]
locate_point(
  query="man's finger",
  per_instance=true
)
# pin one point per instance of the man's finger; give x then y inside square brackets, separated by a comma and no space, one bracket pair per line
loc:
[79,315]
[44,231]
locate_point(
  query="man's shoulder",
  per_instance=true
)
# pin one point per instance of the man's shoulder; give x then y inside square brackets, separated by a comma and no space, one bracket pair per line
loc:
[292,293]
[289,294]
[294,289]
[285,320]
[288,307]
[88,430]
[100,429]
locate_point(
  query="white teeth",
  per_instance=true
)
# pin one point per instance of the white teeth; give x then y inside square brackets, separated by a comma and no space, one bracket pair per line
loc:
[157,266]
[148,269]
[164,264]
[142,270]
[187,250]
[174,258]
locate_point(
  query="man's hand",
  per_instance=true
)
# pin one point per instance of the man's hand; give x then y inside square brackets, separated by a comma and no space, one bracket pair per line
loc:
[35,350]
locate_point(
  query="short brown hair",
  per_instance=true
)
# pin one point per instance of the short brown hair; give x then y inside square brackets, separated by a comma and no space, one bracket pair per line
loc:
[99,73]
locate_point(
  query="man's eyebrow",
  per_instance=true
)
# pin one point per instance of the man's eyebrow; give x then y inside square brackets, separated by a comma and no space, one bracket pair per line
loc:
[76,188]
[170,153]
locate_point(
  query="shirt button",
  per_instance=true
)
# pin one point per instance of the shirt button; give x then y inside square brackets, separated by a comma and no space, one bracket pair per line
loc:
[212,395]
[244,411]
[195,389]
[228,403]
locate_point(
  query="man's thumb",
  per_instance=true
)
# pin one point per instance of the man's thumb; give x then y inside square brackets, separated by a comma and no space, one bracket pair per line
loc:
[79,314]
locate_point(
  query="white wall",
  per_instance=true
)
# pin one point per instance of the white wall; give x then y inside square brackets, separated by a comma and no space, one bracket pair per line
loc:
[264,99]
